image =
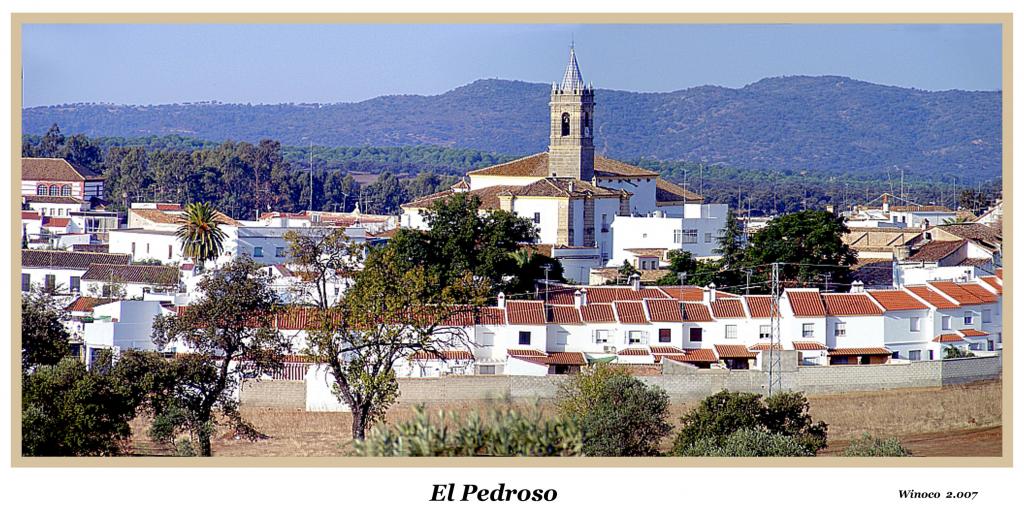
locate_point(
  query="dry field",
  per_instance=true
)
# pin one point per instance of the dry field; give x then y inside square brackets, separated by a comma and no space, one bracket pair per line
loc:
[951,421]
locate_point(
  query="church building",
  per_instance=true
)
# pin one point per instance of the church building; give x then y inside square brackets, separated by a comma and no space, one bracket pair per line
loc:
[574,196]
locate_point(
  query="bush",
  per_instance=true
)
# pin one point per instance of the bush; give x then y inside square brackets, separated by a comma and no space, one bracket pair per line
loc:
[618,414]
[749,443]
[720,415]
[868,445]
[505,432]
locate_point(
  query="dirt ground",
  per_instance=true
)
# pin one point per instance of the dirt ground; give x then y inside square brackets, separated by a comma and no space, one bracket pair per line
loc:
[950,421]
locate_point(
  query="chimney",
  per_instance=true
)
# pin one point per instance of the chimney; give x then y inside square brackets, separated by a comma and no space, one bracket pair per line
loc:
[857,287]
[583,297]
[577,298]
[712,293]
[925,225]
[885,202]
[572,186]
[501,300]
[635,279]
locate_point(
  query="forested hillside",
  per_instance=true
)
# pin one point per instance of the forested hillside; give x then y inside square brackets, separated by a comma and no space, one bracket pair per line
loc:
[822,124]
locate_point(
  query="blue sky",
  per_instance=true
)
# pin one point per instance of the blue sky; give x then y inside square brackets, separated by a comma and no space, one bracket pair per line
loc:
[154,64]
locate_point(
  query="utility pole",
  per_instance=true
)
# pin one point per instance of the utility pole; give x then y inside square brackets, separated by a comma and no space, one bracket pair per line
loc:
[311,175]
[682,278]
[774,357]
[547,268]
[827,276]
[748,271]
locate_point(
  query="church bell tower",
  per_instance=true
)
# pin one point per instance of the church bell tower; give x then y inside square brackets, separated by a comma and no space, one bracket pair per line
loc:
[571,150]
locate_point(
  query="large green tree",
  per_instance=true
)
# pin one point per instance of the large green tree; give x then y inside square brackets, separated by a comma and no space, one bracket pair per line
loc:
[44,340]
[810,246]
[229,332]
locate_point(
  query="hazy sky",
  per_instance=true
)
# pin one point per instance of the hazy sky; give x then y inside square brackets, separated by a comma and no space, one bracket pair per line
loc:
[152,64]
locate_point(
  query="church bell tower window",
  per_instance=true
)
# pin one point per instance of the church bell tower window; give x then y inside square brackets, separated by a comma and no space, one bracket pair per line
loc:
[565,125]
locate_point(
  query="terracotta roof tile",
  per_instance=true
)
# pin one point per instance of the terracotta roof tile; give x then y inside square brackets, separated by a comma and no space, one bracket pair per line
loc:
[760,306]
[666,350]
[948,338]
[696,312]
[492,316]
[30,215]
[806,303]
[664,310]
[698,355]
[526,353]
[734,351]
[897,300]
[598,313]
[630,312]
[956,292]
[52,199]
[858,351]
[533,165]
[850,304]
[525,312]
[447,355]
[971,332]
[730,308]
[633,352]
[980,292]
[56,169]
[570,358]
[69,260]
[975,232]
[765,346]
[999,273]
[684,293]
[56,222]
[564,315]
[995,282]
[934,299]
[666,191]
[133,274]
[934,251]
[607,167]
[808,346]
[86,303]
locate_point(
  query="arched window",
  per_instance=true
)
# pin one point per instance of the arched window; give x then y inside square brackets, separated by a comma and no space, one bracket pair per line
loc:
[54,190]
[65,190]
[565,124]
[41,190]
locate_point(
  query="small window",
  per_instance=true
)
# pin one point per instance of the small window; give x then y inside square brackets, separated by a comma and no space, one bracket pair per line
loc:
[41,190]
[257,251]
[931,354]
[915,354]
[536,218]
[664,335]
[485,369]
[600,336]
[764,332]
[50,283]
[840,330]
[524,338]
[487,339]
[968,319]
[26,282]
[808,330]
[708,237]
[76,284]
[895,355]
[65,191]
[565,124]
[170,251]
[133,249]
[561,338]
[730,331]
[689,236]
[986,316]
[54,190]
[915,324]
[635,337]
[677,236]
[280,251]
[696,335]
[946,322]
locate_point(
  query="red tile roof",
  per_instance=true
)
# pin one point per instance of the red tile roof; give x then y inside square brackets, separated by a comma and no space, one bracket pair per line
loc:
[665,310]
[491,316]
[730,308]
[948,338]
[934,299]
[633,352]
[86,304]
[696,312]
[734,351]
[526,353]
[765,346]
[598,313]
[999,272]
[630,312]
[850,304]
[684,293]
[56,169]
[897,300]
[935,251]
[995,282]
[564,315]
[569,358]
[666,191]
[666,350]
[69,260]
[525,312]
[971,332]
[447,355]
[699,355]
[956,292]
[808,346]
[52,199]
[133,274]
[806,303]
[56,222]
[977,290]
[30,215]
[858,351]
[760,306]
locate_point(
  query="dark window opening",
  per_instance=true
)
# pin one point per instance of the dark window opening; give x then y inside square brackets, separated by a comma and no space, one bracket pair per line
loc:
[524,338]
[565,124]
[664,335]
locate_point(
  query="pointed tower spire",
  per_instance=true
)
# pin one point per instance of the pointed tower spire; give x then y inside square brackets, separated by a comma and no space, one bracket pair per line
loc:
[572,79]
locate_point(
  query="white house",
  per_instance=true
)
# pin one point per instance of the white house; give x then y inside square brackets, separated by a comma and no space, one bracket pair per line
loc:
[61,271]
[120,326]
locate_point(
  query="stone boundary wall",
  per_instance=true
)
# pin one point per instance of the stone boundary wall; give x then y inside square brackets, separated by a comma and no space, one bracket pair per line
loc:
[682,383]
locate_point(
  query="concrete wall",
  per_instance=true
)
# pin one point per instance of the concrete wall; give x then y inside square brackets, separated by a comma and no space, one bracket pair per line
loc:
[682,383]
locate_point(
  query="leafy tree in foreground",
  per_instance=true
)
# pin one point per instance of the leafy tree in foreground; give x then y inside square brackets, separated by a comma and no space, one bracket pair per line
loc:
[748,443]
[500,433]
[44,340]
[200,234]
[230,333]
[868,445]
[956,352]
[720,415]
[618,414]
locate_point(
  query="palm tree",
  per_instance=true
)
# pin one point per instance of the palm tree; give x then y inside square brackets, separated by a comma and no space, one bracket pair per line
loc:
[200,234]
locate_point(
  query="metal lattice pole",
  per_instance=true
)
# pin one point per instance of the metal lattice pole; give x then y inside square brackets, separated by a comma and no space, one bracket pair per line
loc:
[774,357]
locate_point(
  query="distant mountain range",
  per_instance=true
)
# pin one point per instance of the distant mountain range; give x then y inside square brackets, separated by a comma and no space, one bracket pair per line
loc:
[823,123]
